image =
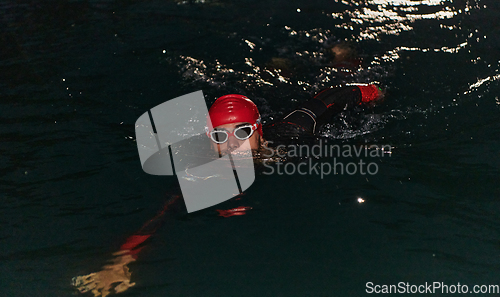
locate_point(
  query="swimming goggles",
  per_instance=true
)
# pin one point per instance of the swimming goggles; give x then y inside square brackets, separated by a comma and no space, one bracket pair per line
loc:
[242,133]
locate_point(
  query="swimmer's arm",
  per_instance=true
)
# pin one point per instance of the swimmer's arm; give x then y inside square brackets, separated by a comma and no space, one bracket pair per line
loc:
[116,276]
[134,244]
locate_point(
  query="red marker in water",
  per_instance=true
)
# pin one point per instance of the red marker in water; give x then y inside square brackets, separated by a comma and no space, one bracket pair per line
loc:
[238,211]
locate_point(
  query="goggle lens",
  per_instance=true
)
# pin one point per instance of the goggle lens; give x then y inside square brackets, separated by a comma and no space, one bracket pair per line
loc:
[219,136]
[243,133]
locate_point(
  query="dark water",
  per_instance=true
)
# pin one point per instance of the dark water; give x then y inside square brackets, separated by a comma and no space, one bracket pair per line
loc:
[75,76]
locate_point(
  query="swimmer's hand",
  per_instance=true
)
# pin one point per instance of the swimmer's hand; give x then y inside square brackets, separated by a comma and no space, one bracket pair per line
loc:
[113,277]
[371,94]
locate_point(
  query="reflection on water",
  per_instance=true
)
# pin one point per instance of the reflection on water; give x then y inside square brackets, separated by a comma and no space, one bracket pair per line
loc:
[390,17]
[482,81]
[368,20]
[303,63]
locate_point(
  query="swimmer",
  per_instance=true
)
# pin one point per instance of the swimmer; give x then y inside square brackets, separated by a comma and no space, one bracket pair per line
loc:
[235,125]
[236,119]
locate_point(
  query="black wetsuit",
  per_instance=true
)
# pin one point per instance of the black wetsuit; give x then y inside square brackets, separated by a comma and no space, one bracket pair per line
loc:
[304,122]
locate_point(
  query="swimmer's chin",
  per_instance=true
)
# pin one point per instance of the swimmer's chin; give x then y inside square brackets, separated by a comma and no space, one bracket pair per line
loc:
[239,153]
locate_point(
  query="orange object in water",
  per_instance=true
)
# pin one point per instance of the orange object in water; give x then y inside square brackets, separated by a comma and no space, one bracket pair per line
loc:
[238,211]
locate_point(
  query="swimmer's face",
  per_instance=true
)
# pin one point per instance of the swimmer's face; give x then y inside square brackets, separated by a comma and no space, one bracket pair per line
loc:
[234,144]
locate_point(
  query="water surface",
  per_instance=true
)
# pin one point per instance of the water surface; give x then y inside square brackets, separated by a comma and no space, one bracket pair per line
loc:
[76,75]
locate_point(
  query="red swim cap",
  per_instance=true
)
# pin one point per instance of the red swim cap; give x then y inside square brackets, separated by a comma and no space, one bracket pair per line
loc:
[234,108]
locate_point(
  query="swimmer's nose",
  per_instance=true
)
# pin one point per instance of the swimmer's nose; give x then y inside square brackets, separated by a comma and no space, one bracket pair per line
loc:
[232,143]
